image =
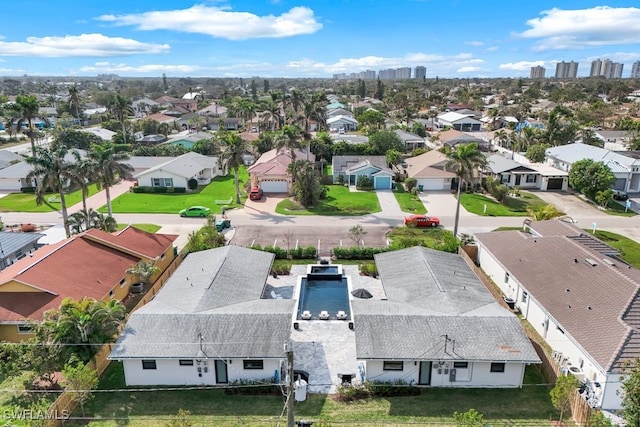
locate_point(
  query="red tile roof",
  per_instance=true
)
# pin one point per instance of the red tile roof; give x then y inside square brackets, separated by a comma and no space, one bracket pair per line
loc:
[148,244]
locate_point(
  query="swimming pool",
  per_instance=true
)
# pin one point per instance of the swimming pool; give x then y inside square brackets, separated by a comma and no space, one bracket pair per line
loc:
[324,294]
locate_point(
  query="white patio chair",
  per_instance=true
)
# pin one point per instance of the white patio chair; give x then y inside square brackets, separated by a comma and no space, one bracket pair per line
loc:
[306,315]
[324,315]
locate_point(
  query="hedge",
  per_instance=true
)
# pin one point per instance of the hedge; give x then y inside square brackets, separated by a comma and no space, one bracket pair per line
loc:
[356,252]
[281,253]
[147,189]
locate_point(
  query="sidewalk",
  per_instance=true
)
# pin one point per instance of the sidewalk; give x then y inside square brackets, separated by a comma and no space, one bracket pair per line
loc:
[389,205]
[99,199]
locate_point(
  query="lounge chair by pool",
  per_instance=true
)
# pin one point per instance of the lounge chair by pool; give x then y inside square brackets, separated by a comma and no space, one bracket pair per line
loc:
[306,315]
[324,315]
[341,315]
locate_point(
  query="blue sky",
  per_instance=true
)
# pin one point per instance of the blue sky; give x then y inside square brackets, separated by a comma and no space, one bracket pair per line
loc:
[313,38]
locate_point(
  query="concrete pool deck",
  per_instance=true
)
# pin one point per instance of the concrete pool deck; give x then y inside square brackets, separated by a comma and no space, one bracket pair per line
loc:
[324,348]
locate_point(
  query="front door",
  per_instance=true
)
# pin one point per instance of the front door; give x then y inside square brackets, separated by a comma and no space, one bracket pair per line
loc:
[221,372]
[518,179]
[425,373]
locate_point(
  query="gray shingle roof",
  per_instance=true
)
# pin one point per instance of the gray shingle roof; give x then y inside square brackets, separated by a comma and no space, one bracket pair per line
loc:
[432,294]
[499,164]
[11,242]
[585,300]
[216,294]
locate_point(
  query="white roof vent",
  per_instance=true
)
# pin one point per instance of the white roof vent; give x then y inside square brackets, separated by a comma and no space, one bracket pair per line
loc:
[608,262]
[591,262]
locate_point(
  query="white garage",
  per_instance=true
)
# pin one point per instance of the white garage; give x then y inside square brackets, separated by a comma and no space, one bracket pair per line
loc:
[433,183]
[274,186]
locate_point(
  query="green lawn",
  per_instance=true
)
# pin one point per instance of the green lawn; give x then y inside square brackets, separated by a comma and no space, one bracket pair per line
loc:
[13,399]
[410,203]
[616,208]
[26,202]
[629,249]
[149,228]
[339,201]
[435,238]
[529,405]
[221,188]
[513,206]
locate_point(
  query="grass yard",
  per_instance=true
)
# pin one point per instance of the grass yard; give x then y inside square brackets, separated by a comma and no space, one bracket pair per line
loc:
[26,202]
[220,188]
[529,405]
[339,201]
[16,400]
[512,206]
[616,208]
[435,238]
[629,249]
[410,203]
[149,228]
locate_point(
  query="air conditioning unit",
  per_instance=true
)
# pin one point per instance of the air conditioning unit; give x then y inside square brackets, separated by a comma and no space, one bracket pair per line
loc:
[576,372]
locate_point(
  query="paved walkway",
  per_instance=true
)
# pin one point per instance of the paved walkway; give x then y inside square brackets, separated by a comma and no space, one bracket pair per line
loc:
[389,205]
[99,199]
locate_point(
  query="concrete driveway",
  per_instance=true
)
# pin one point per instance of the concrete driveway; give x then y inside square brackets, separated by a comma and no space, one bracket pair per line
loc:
[570,203]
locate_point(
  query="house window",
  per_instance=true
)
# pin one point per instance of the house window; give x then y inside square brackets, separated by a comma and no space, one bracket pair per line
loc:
[149,364]
[389,365]
[168,182]
[525,296]
[162,182]
[111,293]
[461,365]
[123,281]
[531,177]
[253,364]
[497,367]
[185,362]
[506,277]
[19,254]
[25,328]
[155,182]
[505,178]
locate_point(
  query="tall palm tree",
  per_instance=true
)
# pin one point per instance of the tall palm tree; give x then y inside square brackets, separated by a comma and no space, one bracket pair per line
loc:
[235,148]
[272,113]
[52,169]
[289,138]
[25,110]
[464,161]
[121,109]
[80,176]
[74,99]
[109,167]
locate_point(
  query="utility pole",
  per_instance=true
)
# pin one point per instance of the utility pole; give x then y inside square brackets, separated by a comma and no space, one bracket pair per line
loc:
[290,397]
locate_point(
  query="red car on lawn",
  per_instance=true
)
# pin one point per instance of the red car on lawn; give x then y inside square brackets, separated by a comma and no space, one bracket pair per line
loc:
[421,221]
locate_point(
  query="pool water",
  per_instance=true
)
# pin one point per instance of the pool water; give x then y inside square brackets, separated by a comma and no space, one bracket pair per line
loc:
[317,295]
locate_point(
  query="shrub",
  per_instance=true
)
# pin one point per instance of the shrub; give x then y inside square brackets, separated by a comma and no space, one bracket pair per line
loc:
[252,387]
[410,183]
[159,189]
[356,252]
[27,228]
[281,269]
[296,253]
[369,269]
[192,184]
[365,183]
[176,189]
[309,252]
[143,189]
[279,252]
[399,187]
[350,393]
[28,189]
[391,388]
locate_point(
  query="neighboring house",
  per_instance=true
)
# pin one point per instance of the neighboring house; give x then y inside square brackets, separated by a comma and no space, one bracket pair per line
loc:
[143,163]
[8,158]
[453,138]
[93,264]
[346,123]
[176,111]
[178,171]
[429,171]
[226,123]
[142,107]
[439,326]
[14,176]
[351,168]
[270,171]
[102,133]
[514,174]
[187,141]
[410,140]
[613,139]
[213,110]
[335,105]
[499,122]
[161,118]
[576,293]
[339,112]
[165,101]
[460,122]
[15,246]
[626,169]
[191,105]
[202,328]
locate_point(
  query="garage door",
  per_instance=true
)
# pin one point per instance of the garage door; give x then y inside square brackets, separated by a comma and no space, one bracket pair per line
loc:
[555,184]
[274,186]
[383,182]
[431,184]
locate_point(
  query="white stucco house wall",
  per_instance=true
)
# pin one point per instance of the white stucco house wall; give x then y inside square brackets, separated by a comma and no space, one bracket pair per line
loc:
[526,175]
[460,122]
[177,172]
[576,293]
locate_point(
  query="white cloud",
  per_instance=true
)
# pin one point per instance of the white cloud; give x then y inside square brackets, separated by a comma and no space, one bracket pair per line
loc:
[617,57]
[475,43]
[223,22]
[571,29]
[492,49]
[108,67]
[81,45]
[469,69]
[521,66]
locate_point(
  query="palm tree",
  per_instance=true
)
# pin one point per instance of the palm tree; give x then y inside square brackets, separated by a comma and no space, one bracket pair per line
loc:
[144,270]
[109,168]
[272,114]
[235,148]
[288,138]
[464,161]
[25,110]
[81,173]
[120,108]
[74,99]
[85,219]
[52,170]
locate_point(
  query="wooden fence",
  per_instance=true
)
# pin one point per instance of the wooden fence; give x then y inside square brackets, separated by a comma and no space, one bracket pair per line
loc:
[65,404]
[580,409]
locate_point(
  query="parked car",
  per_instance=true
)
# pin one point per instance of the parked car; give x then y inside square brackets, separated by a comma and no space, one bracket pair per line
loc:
[200,211]
[255,194]
[620,195]
[221,224]
[422,221]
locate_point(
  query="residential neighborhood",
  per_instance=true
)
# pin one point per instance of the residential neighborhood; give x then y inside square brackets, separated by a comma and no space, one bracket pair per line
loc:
[215,238]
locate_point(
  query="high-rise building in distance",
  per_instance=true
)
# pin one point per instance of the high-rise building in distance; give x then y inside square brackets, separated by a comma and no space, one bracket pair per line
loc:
[566,70]
[403,73]
[635,70]
[606,68]
[537,72]
[420,72]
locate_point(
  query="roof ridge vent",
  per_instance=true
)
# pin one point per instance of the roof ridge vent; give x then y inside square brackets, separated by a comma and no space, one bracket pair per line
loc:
[608,262]
[591,262]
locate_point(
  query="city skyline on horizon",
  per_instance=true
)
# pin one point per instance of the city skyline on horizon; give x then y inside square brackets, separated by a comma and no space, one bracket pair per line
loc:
[280,38]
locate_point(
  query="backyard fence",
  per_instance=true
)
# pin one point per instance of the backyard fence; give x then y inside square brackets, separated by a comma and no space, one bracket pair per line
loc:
[65,403]
[580,409]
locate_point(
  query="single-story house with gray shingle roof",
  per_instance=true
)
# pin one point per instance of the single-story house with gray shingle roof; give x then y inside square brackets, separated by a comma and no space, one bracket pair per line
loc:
[439,327]
[530,175]
[179,170]
[208,325]
[352,167]
[16,246]
[576,293]
[411,140]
